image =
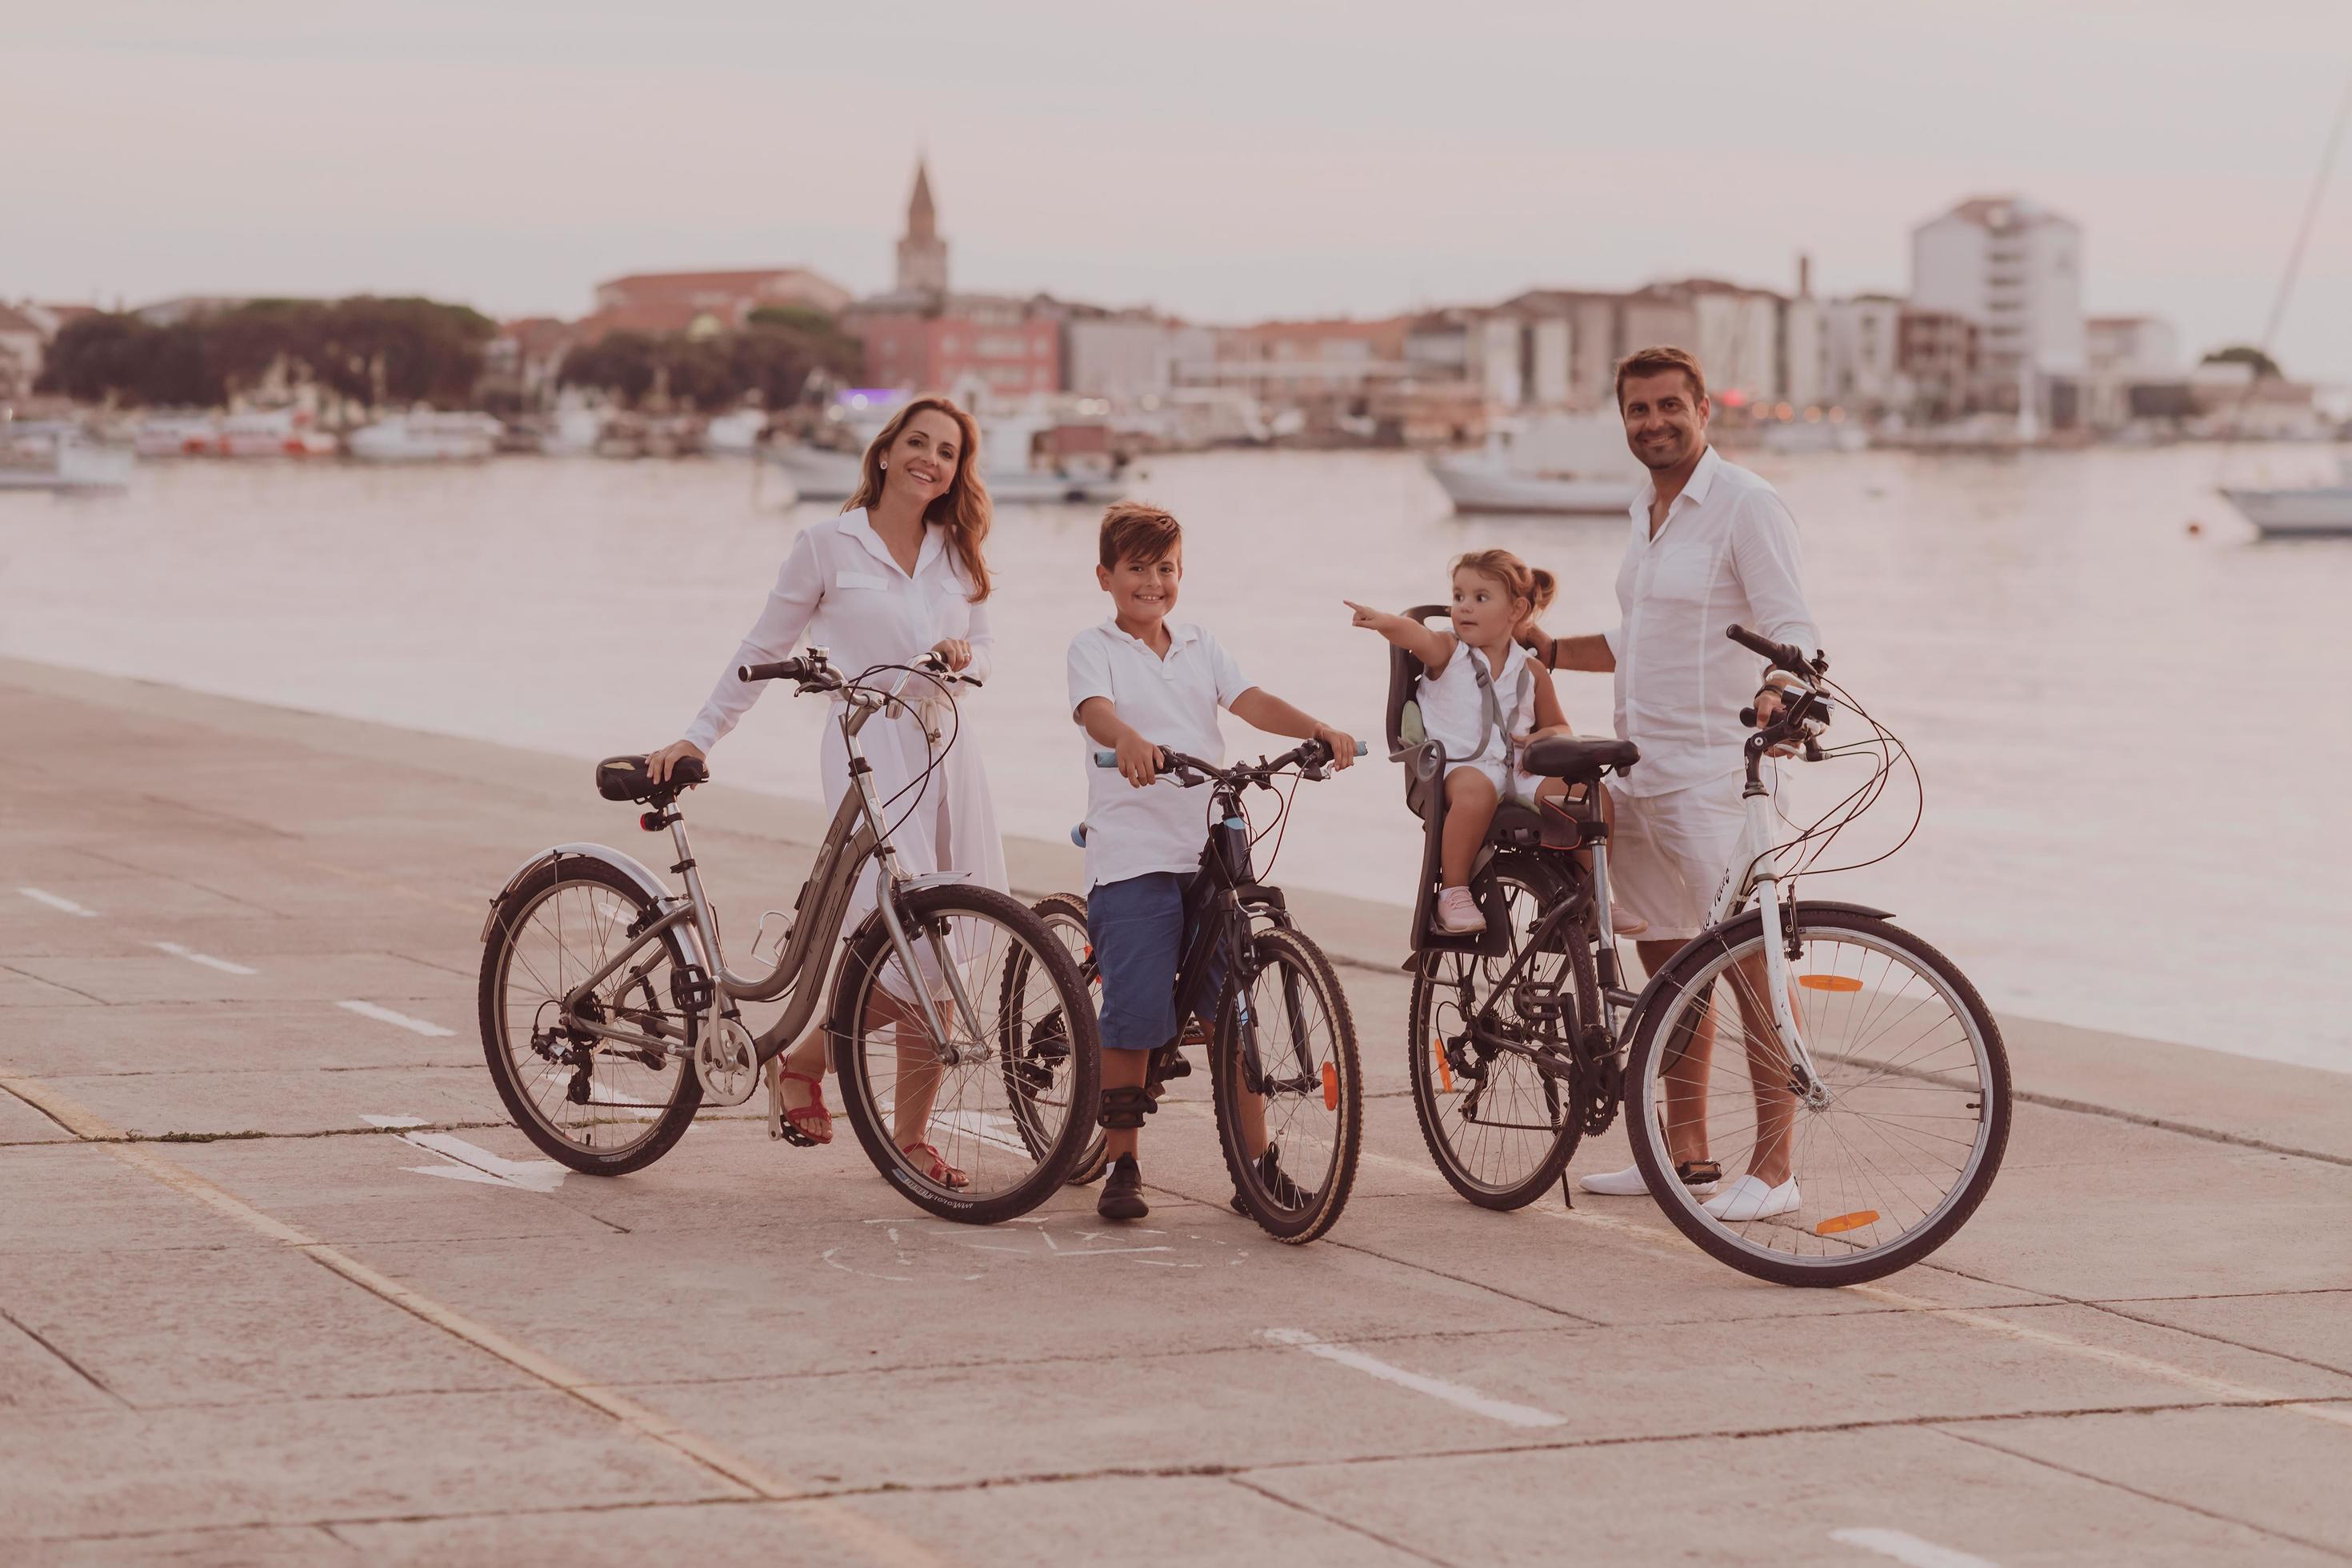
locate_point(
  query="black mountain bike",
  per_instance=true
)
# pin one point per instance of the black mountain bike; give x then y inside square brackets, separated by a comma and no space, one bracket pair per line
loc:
[1283,1072]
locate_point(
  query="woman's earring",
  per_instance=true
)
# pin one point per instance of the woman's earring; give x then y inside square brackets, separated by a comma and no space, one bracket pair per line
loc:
[882,464]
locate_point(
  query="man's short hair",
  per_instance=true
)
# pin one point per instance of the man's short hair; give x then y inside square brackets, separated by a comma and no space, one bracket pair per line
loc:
[1134,532]
[1657,361]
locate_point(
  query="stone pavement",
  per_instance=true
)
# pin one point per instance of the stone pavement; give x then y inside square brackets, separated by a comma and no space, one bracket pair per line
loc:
[277,1279]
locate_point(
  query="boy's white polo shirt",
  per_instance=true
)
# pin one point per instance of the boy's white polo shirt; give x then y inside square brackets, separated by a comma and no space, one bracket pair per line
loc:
[1171,702]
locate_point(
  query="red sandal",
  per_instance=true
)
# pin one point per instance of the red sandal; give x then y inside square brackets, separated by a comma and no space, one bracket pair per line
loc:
[785,1123]
[940,1172]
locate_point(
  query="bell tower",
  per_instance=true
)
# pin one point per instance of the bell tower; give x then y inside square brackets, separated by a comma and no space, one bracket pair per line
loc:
[922,254]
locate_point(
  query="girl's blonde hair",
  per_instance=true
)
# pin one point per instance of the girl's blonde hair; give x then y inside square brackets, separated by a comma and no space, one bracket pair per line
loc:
[964,507]
[1522,581]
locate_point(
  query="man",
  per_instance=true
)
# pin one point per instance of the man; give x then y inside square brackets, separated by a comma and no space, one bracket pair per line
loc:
[1712,543]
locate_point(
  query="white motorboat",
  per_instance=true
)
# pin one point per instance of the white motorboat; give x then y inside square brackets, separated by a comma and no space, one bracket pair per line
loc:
[59,458]
[735,433]
[1559,464]
[2303,512]
[425,436]
[178,435]
[273,433]
[1815,436]
[817,473]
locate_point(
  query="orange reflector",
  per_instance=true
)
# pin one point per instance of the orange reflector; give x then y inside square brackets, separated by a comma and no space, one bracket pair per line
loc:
[1444,1069]
[1828,983]
[1854,1221]
[1330,1086]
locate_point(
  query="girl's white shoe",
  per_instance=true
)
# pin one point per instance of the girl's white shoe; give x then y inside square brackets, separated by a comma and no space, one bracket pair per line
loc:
[1749,1199]
[1457,913]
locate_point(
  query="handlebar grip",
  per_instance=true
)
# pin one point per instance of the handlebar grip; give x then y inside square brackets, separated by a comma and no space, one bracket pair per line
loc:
[1106,759]
[782,669]
[1364,748]
[1782,656]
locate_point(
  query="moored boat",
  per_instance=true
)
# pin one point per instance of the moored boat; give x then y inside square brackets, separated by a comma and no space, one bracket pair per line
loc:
[1557,464]
[426,438]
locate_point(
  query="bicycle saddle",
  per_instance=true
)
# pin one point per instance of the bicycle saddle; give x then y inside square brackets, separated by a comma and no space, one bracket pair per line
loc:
[1575,757]
[625,778]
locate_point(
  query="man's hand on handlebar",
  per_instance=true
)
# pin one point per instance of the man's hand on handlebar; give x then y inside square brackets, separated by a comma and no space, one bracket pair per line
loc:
[1342,744]
[658,765]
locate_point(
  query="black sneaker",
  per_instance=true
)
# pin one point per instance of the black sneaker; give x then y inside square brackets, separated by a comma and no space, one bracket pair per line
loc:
[1122,1193]
[1287,1195]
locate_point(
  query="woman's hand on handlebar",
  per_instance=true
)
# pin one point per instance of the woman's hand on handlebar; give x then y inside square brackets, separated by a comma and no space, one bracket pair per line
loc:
[658,765]
[954,652]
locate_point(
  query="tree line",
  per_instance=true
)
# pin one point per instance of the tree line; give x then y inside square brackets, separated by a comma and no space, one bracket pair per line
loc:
[777,353]
[373,351]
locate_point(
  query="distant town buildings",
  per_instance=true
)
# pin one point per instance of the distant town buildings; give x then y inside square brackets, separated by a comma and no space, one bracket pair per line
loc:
[704,303]
[922,254]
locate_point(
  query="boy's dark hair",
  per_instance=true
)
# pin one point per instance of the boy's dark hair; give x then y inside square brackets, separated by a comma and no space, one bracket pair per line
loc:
[1134,532]
[1657,361]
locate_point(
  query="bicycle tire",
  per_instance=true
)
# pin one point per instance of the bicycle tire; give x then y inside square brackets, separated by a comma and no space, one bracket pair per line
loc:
[1068,910]
[1342,1093]
[1708,953]
[867,954]
[514,912]
[1436,1104]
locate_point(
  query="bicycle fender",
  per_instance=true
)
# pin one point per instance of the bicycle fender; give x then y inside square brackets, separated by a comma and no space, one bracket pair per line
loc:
[1649,996]
[629,866]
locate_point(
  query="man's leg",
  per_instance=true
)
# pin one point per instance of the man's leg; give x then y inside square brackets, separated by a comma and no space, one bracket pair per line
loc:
[1767,1071]
[1686,1080]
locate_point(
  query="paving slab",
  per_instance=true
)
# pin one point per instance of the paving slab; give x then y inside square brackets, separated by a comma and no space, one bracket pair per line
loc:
[22,991]
[73,1197]
[291,1461]
[1772,1499]
[2307,1325]
[160,976]
[230,1038]
[227,1548]
[296,1103]
[2247,1465]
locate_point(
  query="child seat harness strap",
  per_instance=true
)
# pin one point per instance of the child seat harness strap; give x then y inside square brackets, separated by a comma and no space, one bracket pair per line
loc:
[1495,720]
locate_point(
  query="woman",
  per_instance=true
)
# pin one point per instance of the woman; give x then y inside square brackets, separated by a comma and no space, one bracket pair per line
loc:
[898,574]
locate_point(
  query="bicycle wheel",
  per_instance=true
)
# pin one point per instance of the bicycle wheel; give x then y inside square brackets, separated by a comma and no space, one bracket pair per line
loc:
[901,1089]
[1500,1125]
[597,1106]
[1288,1091]
[1037,1064]
[1893,1154]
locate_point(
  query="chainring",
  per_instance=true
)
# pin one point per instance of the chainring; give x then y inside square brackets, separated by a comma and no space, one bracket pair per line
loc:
[727,1060]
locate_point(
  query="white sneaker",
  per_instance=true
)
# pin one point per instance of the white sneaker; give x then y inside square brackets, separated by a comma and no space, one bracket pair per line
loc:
[1749,1199]
[1458,913]
[1627,1183]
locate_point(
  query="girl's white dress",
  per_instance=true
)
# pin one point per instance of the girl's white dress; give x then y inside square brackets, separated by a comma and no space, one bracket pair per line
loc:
[1453,711]
[840,590]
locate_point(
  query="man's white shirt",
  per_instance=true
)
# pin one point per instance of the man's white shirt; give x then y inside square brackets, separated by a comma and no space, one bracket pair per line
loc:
[1727,552]
[1171,702]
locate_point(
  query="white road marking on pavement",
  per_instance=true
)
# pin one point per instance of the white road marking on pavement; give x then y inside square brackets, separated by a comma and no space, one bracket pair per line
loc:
[55,902]
[1910,1549]
[875,1540]
[1454,1394]
[386,1016]
[472,1164]
[207,959]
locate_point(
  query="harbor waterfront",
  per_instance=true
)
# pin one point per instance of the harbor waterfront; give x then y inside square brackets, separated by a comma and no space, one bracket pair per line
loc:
[286,1281]
[2133,738]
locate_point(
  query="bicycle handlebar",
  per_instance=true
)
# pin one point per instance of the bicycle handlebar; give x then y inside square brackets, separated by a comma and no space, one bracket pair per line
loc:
[1782,656]
[1313,754]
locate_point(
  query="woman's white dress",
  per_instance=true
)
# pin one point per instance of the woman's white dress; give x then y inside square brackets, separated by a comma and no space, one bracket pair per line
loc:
[840,590]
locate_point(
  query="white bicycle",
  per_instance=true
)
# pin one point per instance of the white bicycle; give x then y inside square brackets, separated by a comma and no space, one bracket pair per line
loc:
[1857,1080]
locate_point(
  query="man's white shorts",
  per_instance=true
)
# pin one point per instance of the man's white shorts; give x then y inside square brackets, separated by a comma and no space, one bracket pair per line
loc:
[1667,855]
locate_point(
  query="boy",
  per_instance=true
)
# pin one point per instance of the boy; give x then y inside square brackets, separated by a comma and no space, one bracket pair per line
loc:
[1137,684]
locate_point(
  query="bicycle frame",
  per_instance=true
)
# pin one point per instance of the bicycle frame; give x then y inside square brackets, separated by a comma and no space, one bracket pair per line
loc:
[858,831]
[1218,908]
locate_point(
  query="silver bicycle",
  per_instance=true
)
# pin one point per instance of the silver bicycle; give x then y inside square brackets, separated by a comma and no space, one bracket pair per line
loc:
[962,1037]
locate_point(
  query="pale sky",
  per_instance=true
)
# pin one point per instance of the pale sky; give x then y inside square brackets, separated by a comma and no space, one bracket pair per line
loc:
[1225,161]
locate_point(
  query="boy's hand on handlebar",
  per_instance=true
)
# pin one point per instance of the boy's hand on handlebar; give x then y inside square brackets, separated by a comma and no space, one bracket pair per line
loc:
[659,764]
[1342,744]
[954,652]
[1138,760]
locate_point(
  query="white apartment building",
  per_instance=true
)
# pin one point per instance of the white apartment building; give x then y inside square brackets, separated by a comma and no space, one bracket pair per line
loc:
[1125,358]
[1862,345]
[2014,269]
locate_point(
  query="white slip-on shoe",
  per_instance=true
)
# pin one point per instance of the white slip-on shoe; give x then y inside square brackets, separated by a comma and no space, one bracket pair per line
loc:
[1627,1183]
[1458,913]
[1751,1199]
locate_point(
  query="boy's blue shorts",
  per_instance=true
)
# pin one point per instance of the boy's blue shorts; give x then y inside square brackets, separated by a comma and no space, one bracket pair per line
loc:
[1137,928]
